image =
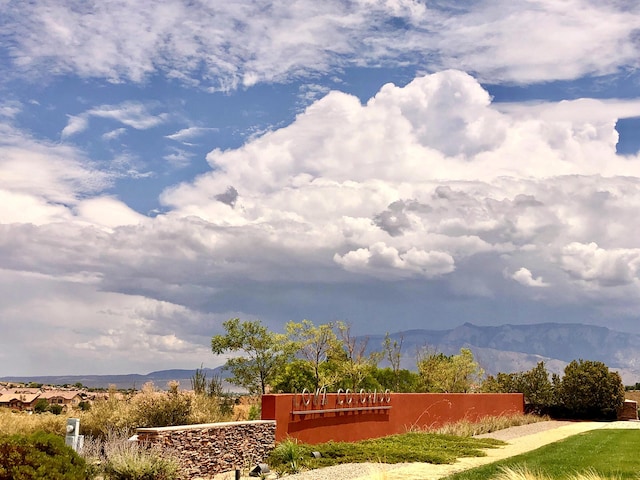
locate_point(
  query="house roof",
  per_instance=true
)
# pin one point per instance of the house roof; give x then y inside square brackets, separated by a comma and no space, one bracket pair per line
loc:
[66,394]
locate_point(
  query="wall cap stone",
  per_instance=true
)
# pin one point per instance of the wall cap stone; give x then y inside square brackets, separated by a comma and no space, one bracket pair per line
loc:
[202,426]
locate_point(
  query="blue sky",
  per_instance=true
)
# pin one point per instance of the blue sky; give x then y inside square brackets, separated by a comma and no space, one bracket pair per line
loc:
[396,164]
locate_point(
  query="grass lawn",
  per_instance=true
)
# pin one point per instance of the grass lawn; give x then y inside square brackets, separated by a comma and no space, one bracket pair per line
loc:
[608,452]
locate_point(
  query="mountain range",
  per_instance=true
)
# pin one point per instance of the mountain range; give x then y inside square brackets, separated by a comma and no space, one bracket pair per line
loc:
[515,348]
[504,348]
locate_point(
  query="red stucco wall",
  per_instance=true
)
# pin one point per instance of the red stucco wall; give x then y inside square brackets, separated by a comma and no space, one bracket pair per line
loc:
[369,417]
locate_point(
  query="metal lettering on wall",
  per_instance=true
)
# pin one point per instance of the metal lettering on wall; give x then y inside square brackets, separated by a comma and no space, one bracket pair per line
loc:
[344,401]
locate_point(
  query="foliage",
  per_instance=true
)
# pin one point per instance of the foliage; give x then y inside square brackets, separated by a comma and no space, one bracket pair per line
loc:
[151,408]
[255,412]
[408,447]
[354,367]
[392,350]
[288,455]
[122,459]
[41,406]
[159,409]
[315,345]
[402,381]
[465,428]
[22,423]
[534,384]
[55,409]
[294,377]
[589,390]
[264,353]
[39,456]
[607,452]
[449,373]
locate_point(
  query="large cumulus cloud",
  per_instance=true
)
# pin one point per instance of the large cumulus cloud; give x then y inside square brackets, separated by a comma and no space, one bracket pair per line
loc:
[427,189]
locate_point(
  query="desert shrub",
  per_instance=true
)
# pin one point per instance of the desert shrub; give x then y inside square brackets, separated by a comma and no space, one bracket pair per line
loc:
[107,415]
[152,408]
[39,456]
[122,459]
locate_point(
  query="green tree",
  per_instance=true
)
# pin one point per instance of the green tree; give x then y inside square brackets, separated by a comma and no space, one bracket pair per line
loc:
[449,373]
[589,390]
[393,353]
[354,365]
[41,406]
[535,385]
[315,345]
[295,376]
[264,353]
[401,381]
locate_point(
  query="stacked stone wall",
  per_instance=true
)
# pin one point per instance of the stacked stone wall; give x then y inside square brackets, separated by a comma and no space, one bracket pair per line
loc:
[628,411]
[209,449]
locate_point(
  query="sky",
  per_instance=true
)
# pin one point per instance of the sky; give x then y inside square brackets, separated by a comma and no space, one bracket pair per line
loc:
[166,165]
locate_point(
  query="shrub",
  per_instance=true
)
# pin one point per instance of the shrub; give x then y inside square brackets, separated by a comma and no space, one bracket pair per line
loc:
[158,409]
[40,456]
[129,460]
[288,453]
[589,390]
[41,406]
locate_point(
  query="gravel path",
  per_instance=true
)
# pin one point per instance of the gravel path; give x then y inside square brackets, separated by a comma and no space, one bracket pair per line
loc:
[520,440]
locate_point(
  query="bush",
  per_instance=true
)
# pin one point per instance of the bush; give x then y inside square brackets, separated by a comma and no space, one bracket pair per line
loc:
[158,409]
[589,390]
[128,460]
[40,456]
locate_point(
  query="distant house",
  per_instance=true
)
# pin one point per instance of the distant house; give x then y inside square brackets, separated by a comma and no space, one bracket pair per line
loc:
[19,400]
[65,398]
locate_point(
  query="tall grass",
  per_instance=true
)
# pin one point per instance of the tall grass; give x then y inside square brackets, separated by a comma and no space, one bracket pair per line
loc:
[118,458]
[123,413]
[523,473]
[12,423]
[466,428]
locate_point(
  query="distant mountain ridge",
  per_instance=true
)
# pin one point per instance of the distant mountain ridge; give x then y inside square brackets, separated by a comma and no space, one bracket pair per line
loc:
[505,348]
[513,348]
[134,380]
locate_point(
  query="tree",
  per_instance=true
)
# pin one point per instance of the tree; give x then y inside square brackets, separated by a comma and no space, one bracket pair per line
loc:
[264,353]
[354,366]
[295,376]
[393,353]
[314,345]
[41,406]
[449,374]
[589,390]
[534,384]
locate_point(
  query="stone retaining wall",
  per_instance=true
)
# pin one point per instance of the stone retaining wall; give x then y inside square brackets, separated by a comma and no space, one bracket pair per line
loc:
[212,448]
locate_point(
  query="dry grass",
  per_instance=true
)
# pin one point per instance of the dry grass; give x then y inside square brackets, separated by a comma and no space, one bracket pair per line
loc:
[466,428]
[23,423]
[120,413]
[522,473]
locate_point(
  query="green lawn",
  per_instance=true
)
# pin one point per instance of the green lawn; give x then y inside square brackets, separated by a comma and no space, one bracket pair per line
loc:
[608,452]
